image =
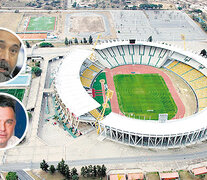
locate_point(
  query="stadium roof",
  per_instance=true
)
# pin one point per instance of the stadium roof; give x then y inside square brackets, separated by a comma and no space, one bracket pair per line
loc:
[196,57]
[69,86]
[170,127]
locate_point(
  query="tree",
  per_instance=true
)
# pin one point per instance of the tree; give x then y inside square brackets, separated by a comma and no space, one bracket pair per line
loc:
[76,40]
[149,39]
[90,40]
[29,115]
[83,171]
[70,42]
[134,7]
[46,44]
[160,6]
[87,172]
[52,169]
[74,5]
[94,171]
[197,10]
[61,167]
[37,71]
[75,177]
[74,171]
[67,173]
[11,176]
[84,40]
[90,170]
[203,52]
[27,44]
[37,64]
[99,171]
[66,41]
[44,166]
[103,171]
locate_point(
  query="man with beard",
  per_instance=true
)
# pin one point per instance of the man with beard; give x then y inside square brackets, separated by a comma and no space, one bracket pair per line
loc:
[9,50]
[7,122]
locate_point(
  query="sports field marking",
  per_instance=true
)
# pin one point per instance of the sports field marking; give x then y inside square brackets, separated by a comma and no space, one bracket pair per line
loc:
[18,93]
[144,96]
[41,23]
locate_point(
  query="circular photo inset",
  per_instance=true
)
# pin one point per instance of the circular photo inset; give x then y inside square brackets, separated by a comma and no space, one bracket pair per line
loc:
[13,121]
[12,55]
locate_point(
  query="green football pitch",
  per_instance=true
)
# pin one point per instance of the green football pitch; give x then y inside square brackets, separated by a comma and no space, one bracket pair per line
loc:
[144,96]
[41,23]
[18,93]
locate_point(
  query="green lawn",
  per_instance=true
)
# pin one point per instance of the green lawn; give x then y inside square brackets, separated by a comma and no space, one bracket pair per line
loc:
[41,23]
[97,86]
[18,93]
[144,96]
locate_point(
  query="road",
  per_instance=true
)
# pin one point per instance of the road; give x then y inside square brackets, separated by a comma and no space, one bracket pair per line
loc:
[200,156]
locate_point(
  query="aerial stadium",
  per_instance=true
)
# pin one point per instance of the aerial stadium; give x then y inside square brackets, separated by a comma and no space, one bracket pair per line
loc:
[144,108]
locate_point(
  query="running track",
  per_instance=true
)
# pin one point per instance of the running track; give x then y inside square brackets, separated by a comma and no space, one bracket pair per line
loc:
[142,69]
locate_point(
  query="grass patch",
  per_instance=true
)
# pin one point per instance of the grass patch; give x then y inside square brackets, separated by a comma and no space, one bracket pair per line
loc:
[41,23]
[18,93]
[144,96]
[186,175]
[153,176]
[97,86]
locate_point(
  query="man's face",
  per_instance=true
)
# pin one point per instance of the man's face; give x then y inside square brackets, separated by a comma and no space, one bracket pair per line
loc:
[7,125]
[9,50]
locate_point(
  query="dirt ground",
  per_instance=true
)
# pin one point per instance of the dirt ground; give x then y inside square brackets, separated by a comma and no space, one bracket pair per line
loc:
[187,175]
[152,176]
[185,92]
[87,24]
[10,20]
[112,27]
[93,24]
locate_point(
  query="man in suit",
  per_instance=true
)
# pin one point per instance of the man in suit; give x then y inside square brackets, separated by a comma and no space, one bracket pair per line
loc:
[7,122]
[9,50]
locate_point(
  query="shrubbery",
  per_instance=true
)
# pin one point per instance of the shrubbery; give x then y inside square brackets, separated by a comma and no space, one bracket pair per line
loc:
[46,44]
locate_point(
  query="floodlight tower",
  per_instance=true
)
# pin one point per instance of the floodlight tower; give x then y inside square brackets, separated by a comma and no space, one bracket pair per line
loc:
[109,95]
[92,56]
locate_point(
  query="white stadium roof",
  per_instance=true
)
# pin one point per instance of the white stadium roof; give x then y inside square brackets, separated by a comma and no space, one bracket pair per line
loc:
[187,124]
[69,86]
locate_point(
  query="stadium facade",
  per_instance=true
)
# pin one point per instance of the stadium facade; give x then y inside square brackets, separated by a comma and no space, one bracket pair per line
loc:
[191,67]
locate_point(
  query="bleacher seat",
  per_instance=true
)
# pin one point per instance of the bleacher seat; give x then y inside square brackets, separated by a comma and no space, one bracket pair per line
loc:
[94,68]
[95,113]
[195,79]
[86,82]
[89,74]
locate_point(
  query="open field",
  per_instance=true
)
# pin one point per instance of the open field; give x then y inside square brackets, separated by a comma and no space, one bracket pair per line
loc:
[41,23]
[7,18]
[144,95]
[87,24]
